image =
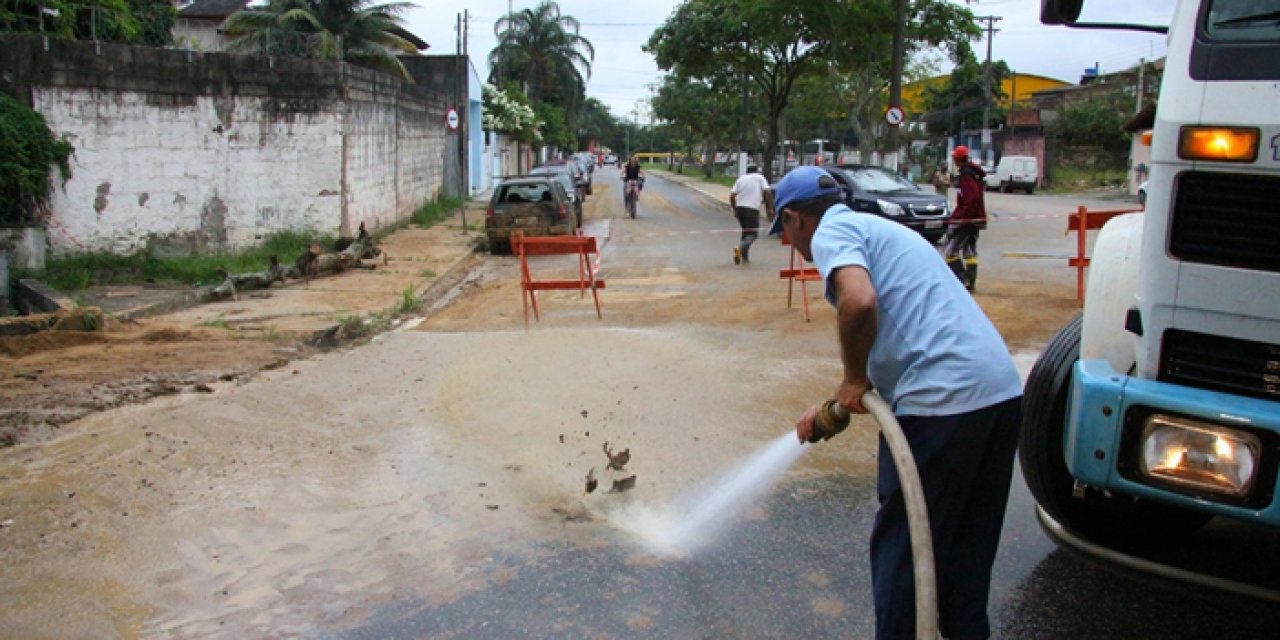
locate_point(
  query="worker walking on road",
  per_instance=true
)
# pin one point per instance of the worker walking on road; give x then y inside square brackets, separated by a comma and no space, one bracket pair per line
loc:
[907,329]
[749,192]
[968,217]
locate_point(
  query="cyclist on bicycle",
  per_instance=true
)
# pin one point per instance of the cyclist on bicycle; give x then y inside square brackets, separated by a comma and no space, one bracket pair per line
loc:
[632,181]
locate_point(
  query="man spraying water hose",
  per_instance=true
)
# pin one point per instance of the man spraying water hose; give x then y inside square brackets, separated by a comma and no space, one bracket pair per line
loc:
[908,328]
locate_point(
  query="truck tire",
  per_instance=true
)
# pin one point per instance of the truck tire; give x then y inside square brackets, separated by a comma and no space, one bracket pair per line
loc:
[1097,516]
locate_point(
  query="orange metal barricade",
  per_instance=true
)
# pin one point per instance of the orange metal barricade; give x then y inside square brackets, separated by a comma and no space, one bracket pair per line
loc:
[1082,221]
[796,271]
[584,246]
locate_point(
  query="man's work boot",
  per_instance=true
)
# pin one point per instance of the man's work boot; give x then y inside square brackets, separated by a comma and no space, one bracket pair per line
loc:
[971,274]
[737,255]
[957,267]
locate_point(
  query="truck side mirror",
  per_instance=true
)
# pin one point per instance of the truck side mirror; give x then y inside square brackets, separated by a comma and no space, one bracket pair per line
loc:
[1060,11]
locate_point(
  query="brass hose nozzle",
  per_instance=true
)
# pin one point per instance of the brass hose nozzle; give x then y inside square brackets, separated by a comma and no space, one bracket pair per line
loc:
[831,420]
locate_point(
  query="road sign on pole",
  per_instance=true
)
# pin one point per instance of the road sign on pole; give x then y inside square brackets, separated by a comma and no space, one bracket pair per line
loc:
[893,115]
[451,119]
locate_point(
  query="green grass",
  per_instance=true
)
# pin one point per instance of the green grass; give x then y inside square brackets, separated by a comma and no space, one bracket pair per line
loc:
[409,302]
[219,322]
[354,326]
[1070,180]
[80,271]
[694,171]
[432,212]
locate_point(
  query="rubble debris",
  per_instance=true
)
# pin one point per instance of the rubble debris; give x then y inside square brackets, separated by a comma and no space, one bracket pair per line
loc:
[592,483]
[626,484]
[619,460]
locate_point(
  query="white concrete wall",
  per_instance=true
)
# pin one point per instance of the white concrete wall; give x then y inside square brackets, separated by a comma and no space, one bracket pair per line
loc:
[218,173]
[178,152]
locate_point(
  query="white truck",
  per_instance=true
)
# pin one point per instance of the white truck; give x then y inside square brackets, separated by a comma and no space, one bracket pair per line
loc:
[1159,407]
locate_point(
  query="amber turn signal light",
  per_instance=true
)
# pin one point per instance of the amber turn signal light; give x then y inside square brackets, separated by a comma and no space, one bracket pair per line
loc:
[1220,144]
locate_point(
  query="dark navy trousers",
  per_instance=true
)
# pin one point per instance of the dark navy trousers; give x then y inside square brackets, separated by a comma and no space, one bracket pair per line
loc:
[966,464]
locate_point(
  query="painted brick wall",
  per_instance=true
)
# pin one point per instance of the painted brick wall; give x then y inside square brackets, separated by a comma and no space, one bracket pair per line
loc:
[178,151]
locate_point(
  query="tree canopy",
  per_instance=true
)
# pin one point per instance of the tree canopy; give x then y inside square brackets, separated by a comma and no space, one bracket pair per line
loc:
[769,42]
[146,22]
[356,31]
[542,50]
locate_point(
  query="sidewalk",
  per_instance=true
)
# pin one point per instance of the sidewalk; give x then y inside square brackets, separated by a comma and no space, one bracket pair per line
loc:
[423,263]
[712,190]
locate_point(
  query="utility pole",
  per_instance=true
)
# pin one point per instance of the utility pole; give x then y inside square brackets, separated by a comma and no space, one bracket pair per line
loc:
[986,86]
[1142,66]
[895,77]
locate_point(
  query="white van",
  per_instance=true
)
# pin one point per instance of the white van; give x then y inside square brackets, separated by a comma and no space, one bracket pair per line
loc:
[1014,172]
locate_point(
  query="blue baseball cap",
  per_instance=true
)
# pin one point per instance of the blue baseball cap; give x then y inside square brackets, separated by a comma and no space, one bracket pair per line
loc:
[803,183]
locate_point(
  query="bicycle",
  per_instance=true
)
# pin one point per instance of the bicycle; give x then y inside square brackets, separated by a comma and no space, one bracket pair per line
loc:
[632,196]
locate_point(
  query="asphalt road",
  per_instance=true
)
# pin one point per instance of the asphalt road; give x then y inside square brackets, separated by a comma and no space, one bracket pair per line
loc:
[433,483]
[797,567]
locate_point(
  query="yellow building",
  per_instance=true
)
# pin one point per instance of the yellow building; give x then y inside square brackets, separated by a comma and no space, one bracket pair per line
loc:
[1019,86]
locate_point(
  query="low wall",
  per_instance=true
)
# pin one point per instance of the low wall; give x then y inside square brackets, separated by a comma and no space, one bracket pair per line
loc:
[178,151]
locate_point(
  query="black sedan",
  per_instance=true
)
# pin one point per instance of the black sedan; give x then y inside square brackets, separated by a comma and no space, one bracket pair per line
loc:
[887,194]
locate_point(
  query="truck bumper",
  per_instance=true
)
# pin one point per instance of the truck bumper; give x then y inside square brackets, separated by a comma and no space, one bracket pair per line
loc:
[1108,437]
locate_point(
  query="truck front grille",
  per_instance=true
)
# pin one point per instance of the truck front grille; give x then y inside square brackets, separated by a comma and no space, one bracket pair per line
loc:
[1227,219]
[1242,367]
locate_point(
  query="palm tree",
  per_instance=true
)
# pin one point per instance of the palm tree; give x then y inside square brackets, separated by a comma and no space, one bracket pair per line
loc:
[351,30]
[543,49]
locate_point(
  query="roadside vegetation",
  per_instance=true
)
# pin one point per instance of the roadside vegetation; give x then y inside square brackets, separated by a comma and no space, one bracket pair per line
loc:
[76,272]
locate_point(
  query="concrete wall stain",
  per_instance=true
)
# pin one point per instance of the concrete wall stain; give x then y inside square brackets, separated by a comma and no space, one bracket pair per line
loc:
[213,221]
[100,203]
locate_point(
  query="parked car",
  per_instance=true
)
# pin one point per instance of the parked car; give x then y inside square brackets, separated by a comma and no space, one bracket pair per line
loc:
[1014,172]
[536,205]
[580,177]
[611,160]
[889,195]
[565,175]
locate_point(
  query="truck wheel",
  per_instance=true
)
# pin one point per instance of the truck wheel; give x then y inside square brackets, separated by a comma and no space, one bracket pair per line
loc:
[499,247]
[1098,516]
[1006,187]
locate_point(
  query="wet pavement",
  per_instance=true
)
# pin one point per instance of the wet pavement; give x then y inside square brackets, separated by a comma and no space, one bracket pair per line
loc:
[430,484]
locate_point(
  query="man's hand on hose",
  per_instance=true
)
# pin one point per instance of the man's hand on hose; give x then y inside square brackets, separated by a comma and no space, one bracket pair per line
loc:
[849,395]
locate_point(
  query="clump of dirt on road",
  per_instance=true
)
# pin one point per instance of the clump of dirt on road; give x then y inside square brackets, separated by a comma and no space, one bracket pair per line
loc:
[53,377]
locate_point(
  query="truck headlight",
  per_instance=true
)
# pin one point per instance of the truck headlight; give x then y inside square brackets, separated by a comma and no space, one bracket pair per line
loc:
[1199,455]
[890,208]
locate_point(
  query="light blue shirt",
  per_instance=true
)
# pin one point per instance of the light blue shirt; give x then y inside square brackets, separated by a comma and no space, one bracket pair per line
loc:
[935,353]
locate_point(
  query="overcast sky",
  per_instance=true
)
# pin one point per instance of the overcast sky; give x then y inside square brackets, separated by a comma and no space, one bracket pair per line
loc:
[622,74]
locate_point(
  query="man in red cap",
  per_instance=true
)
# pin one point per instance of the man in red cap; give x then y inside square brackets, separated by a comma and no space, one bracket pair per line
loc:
[968,217]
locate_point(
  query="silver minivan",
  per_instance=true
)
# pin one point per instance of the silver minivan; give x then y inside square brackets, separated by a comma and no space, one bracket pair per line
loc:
[1014,172]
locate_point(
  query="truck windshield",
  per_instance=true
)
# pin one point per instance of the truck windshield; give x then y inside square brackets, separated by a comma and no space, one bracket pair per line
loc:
[1237,20]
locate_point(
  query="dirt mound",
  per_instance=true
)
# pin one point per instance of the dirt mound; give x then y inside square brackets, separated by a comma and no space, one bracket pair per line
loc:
[21,346]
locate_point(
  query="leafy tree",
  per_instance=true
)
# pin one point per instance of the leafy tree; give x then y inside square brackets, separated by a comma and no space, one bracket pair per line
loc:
[771,42]
[352,30]
[704,115]
[961,102]
[555,130]
[542,49]
[131,21]
[27,152]
[595,122]
[508,111]
[860,61]
[1097,120]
